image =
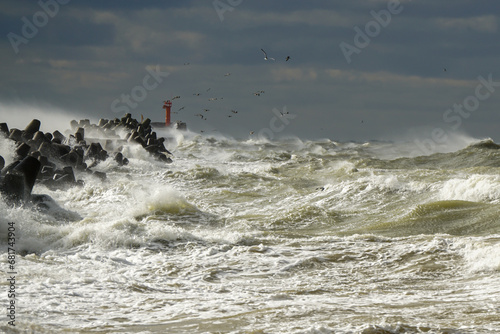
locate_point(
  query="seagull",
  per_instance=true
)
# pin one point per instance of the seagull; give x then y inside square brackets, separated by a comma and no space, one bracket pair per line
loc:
[265,55]
[283,114]
[227,74]
[181,108]
[287,58]
[234,111]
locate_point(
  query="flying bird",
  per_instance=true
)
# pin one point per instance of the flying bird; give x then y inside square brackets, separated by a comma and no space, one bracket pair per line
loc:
[287,58]
[283,114]
[265,55]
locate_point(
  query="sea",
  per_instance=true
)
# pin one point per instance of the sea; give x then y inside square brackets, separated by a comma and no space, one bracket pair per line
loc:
[258,236]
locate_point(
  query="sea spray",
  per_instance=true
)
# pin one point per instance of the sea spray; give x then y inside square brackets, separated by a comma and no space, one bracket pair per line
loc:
[284,236]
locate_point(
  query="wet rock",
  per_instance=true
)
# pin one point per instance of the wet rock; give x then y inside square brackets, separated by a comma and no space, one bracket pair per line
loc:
[60,149]
[84,123]
[102,122]
[16,135]
[10,167]
[120,159]
[19,180]
[36,154]
[146,123]
[163,157]
[54,150]
[72,158]
[39,137]
[22,150]
[4,128]
[32,128]
[68,171]
[13,186]
[96,152]
[73,124]
[100,175]
[41,155]
[60,178]
[151,148]
[47,172]
[58,137]
[80,135]
[49,136]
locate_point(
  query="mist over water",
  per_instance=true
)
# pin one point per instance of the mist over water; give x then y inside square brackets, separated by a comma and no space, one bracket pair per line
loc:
[272,236]
[18,115]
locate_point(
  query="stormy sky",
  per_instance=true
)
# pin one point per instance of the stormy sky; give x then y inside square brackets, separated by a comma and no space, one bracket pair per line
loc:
[358,70]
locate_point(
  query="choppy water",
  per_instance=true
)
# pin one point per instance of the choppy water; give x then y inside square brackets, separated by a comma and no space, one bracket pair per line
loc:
[246,236]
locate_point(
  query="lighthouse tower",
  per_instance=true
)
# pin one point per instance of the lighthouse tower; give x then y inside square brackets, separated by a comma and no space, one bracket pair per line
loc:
[167,105]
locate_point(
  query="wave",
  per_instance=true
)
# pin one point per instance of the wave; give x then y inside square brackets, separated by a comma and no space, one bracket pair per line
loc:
[451,217]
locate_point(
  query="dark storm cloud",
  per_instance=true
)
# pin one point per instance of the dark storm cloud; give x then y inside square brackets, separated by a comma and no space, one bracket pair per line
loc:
[94,52]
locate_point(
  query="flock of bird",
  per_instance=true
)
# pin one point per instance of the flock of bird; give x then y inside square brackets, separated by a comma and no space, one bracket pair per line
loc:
[212,99]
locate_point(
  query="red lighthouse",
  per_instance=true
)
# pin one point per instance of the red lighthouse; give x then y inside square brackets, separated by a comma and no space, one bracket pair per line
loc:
[167,105]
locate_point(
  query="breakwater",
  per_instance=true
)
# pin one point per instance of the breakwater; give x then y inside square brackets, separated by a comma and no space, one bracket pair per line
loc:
[56,158]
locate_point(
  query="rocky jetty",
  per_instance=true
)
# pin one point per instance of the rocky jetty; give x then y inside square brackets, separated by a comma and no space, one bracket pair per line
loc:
[55,159]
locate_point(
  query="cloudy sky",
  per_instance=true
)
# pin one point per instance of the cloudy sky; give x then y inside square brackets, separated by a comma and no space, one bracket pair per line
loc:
[358,70]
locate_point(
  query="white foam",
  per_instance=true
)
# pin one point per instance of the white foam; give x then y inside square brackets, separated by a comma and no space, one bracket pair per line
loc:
[482,257]
[475,188]
[242,237]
